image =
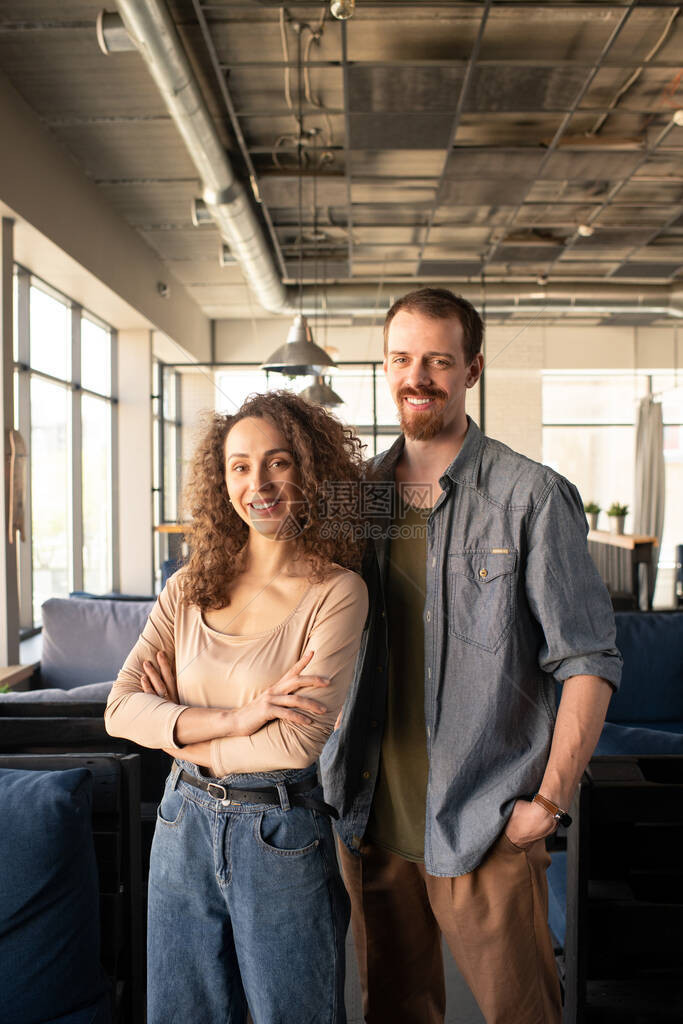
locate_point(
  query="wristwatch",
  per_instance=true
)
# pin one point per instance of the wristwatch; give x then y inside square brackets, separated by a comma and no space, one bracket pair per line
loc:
[558,814]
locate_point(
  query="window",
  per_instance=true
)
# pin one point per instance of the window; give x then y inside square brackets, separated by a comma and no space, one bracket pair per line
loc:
[367,406]
[65,410]
[166,462]
[589,434]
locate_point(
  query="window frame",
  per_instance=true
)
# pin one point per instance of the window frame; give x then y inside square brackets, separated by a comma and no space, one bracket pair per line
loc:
[24,373]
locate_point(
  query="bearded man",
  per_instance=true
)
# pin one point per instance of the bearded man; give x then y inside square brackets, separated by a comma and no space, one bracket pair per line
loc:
[451,765]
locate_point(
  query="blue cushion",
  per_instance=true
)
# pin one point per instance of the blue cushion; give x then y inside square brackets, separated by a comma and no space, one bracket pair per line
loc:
[49,902]
[557,895]
[98,1013]
[652,681]
[626,739]
[88,641]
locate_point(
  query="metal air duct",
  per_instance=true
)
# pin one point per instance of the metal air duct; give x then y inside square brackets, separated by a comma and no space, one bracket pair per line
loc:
[154,33]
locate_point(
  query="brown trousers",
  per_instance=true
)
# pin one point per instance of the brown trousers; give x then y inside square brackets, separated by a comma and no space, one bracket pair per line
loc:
[494,920]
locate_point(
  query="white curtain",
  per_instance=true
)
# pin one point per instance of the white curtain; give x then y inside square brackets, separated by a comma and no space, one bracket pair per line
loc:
[648,504]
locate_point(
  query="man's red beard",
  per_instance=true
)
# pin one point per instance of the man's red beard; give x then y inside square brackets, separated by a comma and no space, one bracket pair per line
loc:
[418,425]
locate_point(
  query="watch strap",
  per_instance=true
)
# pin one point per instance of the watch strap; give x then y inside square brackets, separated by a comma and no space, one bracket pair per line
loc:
[560,815]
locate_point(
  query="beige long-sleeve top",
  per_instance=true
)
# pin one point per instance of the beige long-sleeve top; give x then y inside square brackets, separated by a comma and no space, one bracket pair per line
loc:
[223,671]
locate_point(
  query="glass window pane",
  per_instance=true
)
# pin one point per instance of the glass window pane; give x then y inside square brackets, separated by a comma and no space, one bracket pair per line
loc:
[15,314]
[387,414]
[95,357]
[50,335]
[673,501]
[608,398]
[50,491]
[169,385]
[672,400]
[97,494]
[170,472]
[599,460]
[233,386]
[354,385]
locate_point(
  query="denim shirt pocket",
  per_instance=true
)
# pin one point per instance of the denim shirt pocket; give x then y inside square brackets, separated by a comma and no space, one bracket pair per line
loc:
[481,596]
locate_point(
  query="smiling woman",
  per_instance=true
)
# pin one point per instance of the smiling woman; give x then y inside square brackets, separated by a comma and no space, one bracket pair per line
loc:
[262,627]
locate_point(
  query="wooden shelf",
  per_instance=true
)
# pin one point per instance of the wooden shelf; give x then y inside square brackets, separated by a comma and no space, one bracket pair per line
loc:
[620,540]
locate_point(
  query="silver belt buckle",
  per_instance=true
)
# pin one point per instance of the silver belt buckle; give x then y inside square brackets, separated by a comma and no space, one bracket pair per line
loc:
[222,795]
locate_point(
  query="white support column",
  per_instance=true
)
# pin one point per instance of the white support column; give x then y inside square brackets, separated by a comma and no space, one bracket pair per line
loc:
[136,570]
[9,600]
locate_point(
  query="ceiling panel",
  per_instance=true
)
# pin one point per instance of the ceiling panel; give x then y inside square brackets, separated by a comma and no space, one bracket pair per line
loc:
[492,215]
[183,243]
[426,90]
[417,194]
[493,163]
[63,73]
[111,152]
[283,190]
[153,203]
[418,32]
[507,192]
[449,268]
[418,163]
[399,131]
[594,165]
[646,271]
[506,129]
[560,215]
[523,89]
[548,35]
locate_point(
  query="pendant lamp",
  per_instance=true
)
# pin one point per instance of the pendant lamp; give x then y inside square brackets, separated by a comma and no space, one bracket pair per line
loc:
[299,356]
[320,393]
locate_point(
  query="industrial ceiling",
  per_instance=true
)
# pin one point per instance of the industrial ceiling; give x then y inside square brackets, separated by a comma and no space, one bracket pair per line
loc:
[506,143]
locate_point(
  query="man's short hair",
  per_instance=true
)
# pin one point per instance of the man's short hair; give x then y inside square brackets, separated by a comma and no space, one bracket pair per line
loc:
[442,304]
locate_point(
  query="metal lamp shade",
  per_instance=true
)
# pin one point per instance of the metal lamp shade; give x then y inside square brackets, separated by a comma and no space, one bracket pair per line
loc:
[299,356]
[321,393]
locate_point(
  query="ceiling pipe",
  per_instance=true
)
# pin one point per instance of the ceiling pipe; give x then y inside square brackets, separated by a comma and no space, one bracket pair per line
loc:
[362,300]
[154,33]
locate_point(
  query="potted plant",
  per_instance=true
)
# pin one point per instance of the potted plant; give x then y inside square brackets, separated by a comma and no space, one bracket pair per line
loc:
[617,515]
[592,510]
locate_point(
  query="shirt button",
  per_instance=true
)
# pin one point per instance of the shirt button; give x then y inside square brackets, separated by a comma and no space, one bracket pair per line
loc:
[429,673]
[483,573]
[366,775]
[433,562]
[429,616]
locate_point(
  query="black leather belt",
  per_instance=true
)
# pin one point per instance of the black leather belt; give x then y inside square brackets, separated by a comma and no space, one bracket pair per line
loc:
[266,795]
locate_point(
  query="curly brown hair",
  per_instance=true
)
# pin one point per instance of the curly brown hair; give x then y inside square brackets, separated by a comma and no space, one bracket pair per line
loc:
[324,450]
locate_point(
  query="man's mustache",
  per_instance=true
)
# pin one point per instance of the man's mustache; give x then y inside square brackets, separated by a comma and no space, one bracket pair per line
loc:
[406,392]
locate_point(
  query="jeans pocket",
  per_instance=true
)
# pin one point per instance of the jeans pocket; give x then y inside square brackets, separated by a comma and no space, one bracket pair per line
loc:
[172,807]
[481,596]
[291,833]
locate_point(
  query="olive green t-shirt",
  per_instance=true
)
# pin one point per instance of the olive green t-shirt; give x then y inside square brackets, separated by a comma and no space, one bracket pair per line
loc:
[397,817]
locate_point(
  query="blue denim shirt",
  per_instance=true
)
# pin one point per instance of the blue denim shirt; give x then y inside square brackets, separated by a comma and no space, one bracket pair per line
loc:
[513,603]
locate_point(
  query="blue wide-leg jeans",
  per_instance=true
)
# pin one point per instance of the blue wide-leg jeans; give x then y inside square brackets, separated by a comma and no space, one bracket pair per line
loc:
[246,909]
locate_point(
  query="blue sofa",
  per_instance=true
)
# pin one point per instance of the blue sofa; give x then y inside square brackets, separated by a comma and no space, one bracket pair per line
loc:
[645,716]
[84,644]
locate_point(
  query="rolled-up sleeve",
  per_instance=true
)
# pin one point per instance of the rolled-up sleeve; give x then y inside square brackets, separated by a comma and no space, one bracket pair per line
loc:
[143,717]
[565,592]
